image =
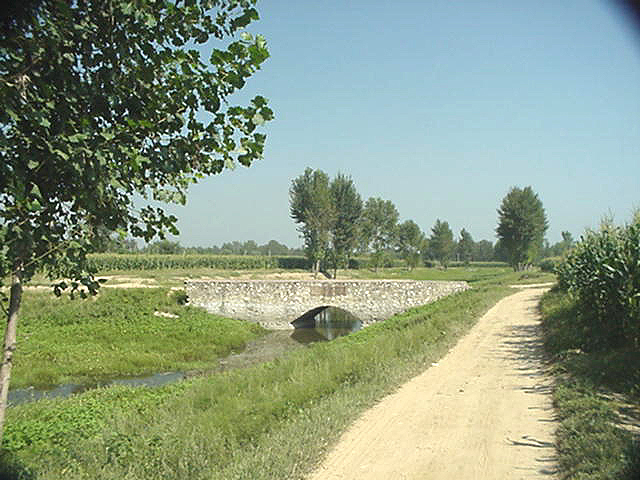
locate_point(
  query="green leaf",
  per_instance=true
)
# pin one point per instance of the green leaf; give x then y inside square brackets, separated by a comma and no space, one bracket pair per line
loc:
[76,138]
[257,119]
[61,154]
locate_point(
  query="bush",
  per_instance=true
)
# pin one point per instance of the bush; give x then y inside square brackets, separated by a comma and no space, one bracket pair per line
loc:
[550,264]
[603,273]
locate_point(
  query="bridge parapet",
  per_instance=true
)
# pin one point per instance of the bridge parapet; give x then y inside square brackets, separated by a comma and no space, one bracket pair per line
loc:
[276,303]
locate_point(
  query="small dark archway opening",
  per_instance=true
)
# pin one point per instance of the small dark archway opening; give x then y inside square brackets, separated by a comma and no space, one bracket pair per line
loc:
[324,323]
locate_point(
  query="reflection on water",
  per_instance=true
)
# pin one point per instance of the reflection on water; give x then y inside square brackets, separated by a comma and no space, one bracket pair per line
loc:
[326,323]
[321,324]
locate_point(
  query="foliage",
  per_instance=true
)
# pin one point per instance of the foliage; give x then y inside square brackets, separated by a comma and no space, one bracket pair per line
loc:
[603,272]
[164,247]
[106,262]
[483,251]
[312,207]
[593,390]
[464,248]
[104,103]
[347,205]
[441,243]
[410,242]
[522,223]
[379,220]
[550,264]
[560,248]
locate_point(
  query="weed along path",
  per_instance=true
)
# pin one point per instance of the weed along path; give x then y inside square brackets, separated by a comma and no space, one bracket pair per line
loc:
[483,412]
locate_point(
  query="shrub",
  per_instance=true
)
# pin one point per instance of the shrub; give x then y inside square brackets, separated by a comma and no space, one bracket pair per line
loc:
[550,264]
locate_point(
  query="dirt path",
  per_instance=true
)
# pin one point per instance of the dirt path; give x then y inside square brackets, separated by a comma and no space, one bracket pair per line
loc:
[483,412]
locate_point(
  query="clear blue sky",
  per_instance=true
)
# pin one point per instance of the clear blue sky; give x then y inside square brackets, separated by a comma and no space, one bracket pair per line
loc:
[440,107]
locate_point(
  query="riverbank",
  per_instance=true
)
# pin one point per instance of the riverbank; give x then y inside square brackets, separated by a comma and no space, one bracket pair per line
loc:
[119,333]
[269,421]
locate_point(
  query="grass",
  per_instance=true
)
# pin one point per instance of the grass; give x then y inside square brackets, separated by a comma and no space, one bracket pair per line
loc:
[118,333]
[597,399]
[269,421]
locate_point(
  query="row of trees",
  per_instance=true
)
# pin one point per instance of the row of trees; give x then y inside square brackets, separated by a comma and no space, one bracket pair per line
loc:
[336,224]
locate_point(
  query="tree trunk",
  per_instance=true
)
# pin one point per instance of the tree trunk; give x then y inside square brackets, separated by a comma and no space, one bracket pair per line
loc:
[9,343]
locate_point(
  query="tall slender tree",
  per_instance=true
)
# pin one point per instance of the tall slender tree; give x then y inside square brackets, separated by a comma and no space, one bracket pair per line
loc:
[311,206]
[379,220]
[347,205]
[465,247]
[441,242]
[410,241]
[522,223]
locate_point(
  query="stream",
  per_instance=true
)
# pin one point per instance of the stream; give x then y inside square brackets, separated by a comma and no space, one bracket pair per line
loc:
[326,325]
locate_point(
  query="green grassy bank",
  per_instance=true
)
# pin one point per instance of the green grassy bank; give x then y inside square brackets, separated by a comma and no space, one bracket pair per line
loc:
[273,420]
[118,333]
[597,398]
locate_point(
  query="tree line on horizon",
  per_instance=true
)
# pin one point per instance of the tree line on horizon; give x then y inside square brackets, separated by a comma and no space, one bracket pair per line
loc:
[336,225]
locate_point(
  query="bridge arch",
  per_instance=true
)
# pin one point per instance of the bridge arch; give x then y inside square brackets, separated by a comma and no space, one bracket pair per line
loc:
[277,304]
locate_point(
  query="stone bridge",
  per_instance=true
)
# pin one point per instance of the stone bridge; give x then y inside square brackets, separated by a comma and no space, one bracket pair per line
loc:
[276,304]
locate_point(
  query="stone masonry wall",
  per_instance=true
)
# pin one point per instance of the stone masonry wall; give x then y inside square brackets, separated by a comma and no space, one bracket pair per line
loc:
[276,303]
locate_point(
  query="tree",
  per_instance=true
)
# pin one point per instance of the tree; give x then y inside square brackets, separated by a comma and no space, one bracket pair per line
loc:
[164,247]
[465,247]
[311,206]
[483,251]
[103,102]
[410,241]
[347,205]
[522,223]
[379,220]
[441,242]
[273,247]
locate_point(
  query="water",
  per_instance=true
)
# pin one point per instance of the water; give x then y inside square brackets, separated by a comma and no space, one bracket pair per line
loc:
[320,325]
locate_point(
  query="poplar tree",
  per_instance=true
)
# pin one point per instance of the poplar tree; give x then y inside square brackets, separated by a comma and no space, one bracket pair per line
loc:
[465,246]
[522,223]
[379,220]
[441,243]
[347,205]
[104,101]
[410,242]
[312,207]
